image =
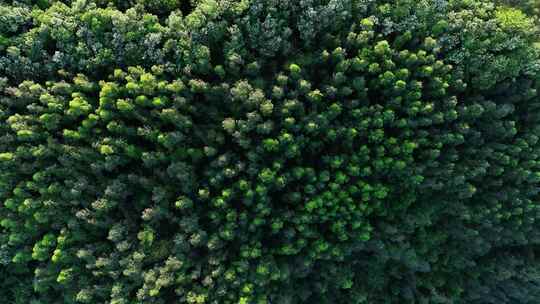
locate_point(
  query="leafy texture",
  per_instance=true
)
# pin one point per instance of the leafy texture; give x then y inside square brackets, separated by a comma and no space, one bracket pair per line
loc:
[256,151]
[531,7]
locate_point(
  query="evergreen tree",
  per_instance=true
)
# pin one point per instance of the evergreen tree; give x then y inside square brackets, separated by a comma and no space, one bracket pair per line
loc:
[268,152]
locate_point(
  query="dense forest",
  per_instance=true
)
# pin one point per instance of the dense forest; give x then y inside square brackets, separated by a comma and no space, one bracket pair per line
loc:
[269,151]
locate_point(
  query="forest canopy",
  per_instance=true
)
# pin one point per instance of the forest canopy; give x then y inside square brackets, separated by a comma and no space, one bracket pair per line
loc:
[269,152]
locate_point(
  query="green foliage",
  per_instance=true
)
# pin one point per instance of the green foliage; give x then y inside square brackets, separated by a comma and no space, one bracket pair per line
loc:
[254,151]
[531,7]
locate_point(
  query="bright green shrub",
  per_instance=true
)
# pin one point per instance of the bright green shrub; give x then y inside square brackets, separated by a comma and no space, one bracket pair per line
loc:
[313,151]
[531,7]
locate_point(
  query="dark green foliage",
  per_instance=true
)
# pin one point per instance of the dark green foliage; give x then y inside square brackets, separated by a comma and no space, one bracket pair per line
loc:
[255,151]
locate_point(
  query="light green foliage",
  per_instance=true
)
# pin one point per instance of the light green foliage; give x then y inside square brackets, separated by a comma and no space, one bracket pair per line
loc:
[530,7]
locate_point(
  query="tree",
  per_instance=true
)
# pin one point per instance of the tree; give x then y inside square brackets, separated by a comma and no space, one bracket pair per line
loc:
[268,152]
